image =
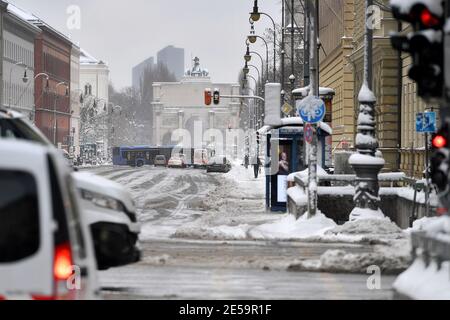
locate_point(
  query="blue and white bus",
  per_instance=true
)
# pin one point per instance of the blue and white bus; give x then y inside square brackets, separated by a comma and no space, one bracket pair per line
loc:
[138,156]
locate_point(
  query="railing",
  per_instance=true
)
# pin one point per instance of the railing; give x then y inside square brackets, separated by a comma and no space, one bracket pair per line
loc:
[431,249]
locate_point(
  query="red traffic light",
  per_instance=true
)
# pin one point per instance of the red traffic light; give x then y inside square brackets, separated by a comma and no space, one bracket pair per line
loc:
[428,19]
[208,97]
[439,141]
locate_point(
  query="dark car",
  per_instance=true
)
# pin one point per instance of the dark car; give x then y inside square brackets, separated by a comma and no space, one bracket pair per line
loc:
[218,164]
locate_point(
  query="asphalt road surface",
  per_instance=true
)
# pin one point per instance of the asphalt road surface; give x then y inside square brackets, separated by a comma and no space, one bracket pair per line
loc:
[198,269]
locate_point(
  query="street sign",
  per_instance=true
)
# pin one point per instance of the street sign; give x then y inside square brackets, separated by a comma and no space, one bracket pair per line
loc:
[311,109]
[309,133]
[426,122]
[287,109]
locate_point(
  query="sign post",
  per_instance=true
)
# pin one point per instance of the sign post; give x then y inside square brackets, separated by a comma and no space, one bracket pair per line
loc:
[426,123]
[312,111]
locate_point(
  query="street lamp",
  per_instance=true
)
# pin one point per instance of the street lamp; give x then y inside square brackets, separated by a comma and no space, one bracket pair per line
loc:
[250,38]
[254,17]
[257,71]
[248,56]
[292,79]
[262,64]
[24,79]
[255,14]
[246,69]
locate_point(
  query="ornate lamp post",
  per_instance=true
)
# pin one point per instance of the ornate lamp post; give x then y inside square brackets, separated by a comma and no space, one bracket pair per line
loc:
[255,15]
[252,38]
[365,163]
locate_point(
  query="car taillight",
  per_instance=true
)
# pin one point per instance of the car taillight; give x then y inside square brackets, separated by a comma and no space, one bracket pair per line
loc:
[2,298]
[62,268]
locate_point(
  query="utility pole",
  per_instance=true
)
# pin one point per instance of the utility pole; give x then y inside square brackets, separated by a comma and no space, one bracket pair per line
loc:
[292,38]
[314,91]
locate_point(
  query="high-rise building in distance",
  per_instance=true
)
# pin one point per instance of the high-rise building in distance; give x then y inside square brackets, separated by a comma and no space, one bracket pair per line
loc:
[138,72]
[173,58]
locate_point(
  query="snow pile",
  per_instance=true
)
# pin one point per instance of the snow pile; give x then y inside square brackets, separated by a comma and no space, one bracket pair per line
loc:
[421,224]
[390,259]
[298,195]
[213,233]
[366,214]
[392,252]
[370,230]
[420,282]
[288,228]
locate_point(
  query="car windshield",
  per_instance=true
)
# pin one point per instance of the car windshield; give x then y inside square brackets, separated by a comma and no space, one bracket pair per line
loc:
[18,129]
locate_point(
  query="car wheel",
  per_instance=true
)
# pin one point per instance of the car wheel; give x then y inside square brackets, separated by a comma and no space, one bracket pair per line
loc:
[140,164]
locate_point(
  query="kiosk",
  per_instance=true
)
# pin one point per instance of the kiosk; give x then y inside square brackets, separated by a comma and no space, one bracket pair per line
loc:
[286,150]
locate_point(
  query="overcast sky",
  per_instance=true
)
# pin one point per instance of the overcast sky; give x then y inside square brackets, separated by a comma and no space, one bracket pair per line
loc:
[124,33]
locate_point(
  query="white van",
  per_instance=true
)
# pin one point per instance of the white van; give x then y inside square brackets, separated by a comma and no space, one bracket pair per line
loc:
[46,250]
[200,158]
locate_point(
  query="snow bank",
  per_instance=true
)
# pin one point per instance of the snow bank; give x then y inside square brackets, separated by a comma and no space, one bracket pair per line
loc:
[420,282]
[390,259]
[366,214]
[288,228]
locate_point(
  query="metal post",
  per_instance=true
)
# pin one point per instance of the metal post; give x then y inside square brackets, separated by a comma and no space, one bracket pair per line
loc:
[292,39]
[314,76]
[306,38]
[366,164]
[283,53]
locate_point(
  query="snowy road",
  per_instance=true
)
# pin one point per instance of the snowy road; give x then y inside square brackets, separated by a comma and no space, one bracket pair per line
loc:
[193,265]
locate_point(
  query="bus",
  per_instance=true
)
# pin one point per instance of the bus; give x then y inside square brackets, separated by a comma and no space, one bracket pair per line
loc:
[138,156]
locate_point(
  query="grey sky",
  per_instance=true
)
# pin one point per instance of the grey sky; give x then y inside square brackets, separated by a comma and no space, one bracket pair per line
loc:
[124,33]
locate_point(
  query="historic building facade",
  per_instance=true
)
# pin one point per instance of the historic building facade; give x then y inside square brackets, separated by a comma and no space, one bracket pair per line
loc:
[18,65]
[336,71]
[341,68]
[53,108]
[180,105]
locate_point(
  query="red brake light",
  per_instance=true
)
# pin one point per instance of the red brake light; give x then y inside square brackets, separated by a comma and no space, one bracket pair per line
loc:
[428,19]
[62,268]
[439,142]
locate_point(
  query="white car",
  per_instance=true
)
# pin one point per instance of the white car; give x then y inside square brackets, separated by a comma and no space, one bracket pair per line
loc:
[14,125]
[177,161]
[111,215]
[46,249]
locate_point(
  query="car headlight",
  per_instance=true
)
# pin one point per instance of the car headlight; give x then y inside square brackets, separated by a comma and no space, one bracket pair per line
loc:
[102,201]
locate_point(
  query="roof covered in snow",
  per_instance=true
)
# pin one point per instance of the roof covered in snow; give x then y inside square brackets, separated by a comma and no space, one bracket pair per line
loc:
[25,17]
[88,59]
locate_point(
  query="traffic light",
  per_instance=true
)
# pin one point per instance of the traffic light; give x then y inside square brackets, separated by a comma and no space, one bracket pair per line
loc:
[440,163]
[216,96]
[425,43]
[208,97]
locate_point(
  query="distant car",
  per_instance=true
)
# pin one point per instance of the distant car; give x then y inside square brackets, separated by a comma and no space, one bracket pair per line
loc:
[177,161]
[160,161]
[218,164]
[44,236]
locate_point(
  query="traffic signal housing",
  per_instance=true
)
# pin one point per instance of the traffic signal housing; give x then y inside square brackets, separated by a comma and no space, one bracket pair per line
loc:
[216,96]
[440,163]
[208,97]
[424,44]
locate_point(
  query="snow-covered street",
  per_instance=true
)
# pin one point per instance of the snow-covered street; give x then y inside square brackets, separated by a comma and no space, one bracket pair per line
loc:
[209,236]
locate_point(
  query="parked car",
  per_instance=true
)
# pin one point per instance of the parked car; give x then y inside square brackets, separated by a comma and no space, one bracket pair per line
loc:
[111,216]
[46,249]
[160,161]
[218,164]
[177,161]
[14,125]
